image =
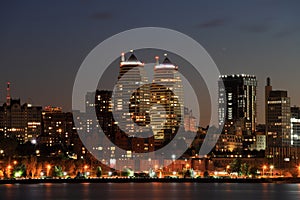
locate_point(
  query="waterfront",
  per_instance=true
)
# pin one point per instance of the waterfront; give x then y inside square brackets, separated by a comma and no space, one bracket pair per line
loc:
[155,190]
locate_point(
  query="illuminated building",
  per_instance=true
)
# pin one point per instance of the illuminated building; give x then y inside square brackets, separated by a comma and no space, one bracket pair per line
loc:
[131,98]
[167,101]
[190,123]
[58,131]
[237,103]
[295,126]
[278,118]
[20,121]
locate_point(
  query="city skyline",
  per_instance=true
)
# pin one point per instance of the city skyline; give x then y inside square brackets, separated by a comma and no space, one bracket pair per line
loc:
[42,36]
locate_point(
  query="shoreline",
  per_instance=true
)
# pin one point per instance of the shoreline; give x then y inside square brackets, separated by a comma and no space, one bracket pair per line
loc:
[152,180]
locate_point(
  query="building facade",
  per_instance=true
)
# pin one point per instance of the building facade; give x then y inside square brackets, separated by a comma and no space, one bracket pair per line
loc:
[237,103]
[167,111]
[21,121]
[278,119]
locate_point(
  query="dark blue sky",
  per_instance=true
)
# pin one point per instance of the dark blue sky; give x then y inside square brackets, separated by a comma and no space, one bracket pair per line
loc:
[42,43]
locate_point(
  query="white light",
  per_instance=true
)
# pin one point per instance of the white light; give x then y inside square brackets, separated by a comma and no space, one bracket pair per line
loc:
[33,141]
[109,173]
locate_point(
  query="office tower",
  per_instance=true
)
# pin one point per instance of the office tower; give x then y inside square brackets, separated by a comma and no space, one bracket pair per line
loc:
[20,121]
[167,101]
[131,98]
[237,103]
[278,114]
[295,126]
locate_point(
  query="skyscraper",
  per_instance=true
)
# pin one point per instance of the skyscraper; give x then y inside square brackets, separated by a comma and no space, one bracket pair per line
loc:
[131,99]
[278,118]
[167,101]
[237,103]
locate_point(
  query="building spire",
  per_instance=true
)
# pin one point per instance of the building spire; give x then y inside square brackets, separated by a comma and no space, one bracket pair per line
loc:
[268,81]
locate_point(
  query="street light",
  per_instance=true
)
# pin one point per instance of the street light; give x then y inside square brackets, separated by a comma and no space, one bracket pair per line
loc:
[227,168]
[264,168]
[271,168]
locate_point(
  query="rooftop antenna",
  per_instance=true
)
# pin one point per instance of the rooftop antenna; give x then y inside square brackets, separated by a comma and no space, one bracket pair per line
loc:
[8,94]
[122,57]
[268,81]
[157,60]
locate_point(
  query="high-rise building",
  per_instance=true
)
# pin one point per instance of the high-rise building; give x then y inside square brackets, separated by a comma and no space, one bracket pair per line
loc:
[20,121]
[58,127]
[295,126]
[237,103]
[131,98]
[278,114]
[167,101]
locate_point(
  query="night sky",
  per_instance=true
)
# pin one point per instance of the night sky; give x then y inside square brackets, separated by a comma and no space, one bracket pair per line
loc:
[42,43]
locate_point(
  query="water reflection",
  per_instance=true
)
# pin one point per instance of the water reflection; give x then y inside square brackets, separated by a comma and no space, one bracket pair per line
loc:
[151,191]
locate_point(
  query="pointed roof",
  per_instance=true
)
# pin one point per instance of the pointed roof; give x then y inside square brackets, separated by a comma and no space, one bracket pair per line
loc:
[132,58]
[166,64]
[167,61]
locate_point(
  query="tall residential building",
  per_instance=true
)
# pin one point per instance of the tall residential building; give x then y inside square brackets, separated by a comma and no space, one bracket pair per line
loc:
[58,127]
[131,98]
[167,101]
[278,118]
[20,121]
[237,103]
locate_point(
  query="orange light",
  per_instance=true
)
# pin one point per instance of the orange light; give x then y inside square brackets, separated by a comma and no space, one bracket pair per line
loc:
[85,166]
[48,166]
[228,166]
[265,167]
[15,162]
[9,167]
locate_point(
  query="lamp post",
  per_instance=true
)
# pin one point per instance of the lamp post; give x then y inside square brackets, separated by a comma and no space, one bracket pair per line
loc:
[227,169]
[271,168]
[264,168]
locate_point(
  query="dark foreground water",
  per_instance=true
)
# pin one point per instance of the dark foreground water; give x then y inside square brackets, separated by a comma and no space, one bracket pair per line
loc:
[150,191]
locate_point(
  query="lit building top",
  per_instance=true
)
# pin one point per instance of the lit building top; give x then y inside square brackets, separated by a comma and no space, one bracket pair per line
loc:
[132,60]
[237,75]
[166,64]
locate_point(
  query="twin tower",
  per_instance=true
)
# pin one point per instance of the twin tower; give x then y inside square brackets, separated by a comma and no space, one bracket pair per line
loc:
[142,106]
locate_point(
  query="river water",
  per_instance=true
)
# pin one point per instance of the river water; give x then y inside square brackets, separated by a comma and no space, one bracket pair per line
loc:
[155,191]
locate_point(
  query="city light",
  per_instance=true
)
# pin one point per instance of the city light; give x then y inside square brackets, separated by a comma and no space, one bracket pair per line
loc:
[271,168]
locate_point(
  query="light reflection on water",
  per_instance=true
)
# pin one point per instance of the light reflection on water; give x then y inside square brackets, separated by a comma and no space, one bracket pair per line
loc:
[151,191]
